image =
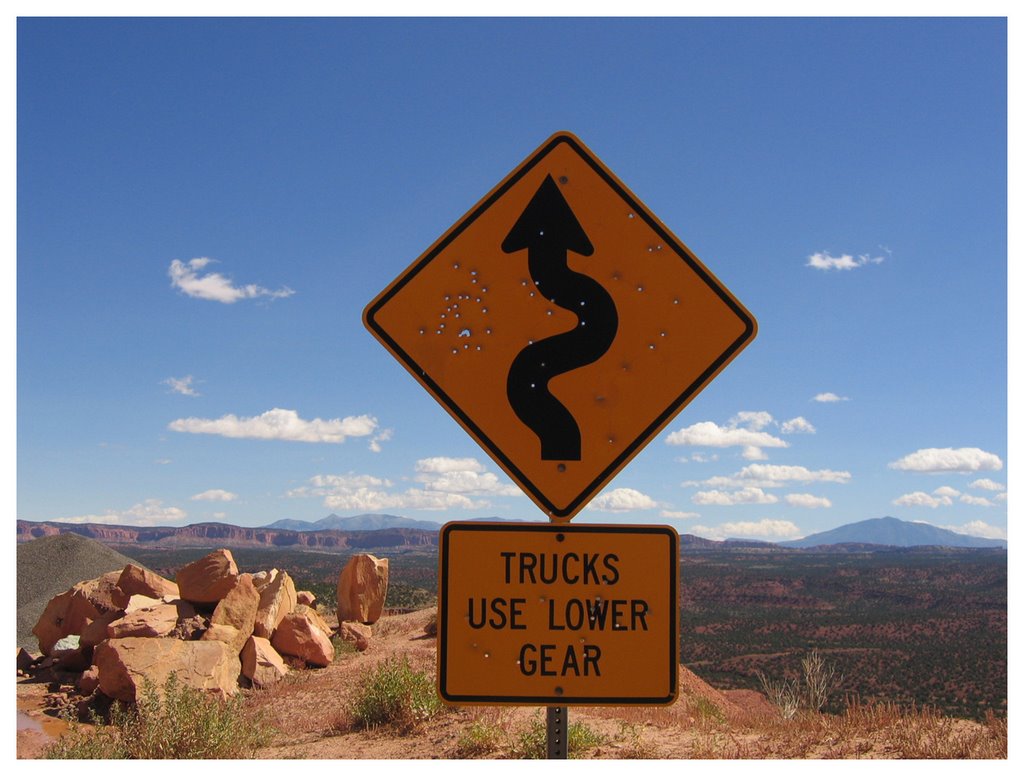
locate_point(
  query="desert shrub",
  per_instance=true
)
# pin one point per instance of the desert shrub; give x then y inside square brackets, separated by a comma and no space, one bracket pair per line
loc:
[343,648]
[479,739]
[532,742]
[394,694]
[819,680]
[176,722]
[581,738]
[716,745]
[783,693]
[707,711]
[817,683]
[633,746]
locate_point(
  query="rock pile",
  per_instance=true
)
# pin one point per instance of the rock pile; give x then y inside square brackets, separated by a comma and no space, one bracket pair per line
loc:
[213,627]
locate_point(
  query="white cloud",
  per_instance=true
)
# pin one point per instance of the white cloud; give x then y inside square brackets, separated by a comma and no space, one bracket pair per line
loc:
[798,425]
[987,484]
[710,434]
[764,475]
[755,421]
[147,513]
[215,495]
[448,483]
[825,261]
[978,528]
[213,286]
[367,500]
[941,497]
[977,501]
[807,501]
[182,385]
[828,397]
[734,497]
[443,465]
[672,514]
[461,475]
[384,435]
[704,457]
[921,499]
[964,460]
[279,424]
[762,529]
[623,500]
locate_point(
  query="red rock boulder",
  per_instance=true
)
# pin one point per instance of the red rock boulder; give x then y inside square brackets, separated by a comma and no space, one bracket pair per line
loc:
[261,663]
[362,589]
[209,579]
[233,619]
[277,598]
[73,610]
[302,634]
[151,621]
[124,664]
[135,580]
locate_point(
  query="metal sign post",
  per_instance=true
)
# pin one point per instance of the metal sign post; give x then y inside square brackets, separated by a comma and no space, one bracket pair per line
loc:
[558,732]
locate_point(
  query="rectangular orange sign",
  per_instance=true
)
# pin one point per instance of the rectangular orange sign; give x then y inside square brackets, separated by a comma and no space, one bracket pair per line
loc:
[558,615]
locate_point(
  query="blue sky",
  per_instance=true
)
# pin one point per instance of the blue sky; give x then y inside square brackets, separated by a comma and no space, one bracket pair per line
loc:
[205,207]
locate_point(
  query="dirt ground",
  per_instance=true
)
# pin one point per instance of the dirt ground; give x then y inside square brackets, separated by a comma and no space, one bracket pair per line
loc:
[308,717]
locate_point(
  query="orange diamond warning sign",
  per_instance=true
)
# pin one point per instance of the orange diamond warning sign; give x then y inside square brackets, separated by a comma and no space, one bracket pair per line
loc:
[561,324]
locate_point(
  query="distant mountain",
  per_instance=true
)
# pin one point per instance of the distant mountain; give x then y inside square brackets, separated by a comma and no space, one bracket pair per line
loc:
[894,533]
[369,522]
[286,524]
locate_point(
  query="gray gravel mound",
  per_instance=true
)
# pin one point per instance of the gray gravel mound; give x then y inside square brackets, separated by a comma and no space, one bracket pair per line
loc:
[50,565]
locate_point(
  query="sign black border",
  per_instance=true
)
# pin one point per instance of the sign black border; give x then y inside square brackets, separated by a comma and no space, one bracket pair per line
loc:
[557,700]
[750,329]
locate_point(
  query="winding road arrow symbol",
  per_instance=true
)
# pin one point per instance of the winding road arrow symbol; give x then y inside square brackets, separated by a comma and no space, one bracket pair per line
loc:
[548,230]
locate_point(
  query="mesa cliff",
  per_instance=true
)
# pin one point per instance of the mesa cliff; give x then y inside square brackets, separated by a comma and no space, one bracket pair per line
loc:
[223,535]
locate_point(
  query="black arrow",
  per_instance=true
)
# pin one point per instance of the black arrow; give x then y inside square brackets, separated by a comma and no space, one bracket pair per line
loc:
[548,229]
